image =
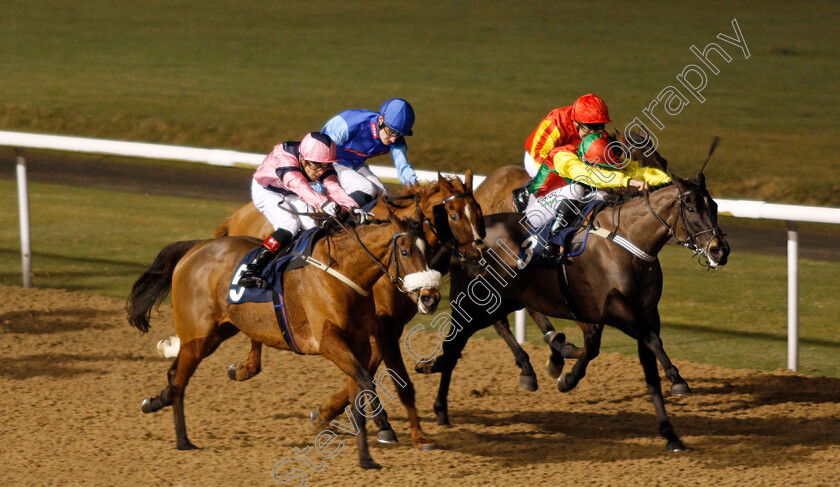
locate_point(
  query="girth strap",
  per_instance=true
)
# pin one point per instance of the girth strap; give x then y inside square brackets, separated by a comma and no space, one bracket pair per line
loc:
[623,242]
[282,319]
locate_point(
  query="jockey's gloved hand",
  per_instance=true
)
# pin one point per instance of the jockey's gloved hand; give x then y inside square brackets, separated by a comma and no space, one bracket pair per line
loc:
[331,208]
[359,215]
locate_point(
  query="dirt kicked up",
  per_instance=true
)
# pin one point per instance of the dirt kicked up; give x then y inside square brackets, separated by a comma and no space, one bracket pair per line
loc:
[74,373]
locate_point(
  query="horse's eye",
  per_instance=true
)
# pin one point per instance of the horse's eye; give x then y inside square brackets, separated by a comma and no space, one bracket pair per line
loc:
[404,253]
[691,209]
[453,216]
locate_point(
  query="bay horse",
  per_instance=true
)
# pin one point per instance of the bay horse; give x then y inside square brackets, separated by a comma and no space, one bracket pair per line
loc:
[327,317]
[494,196]
[607,285]
[454,224]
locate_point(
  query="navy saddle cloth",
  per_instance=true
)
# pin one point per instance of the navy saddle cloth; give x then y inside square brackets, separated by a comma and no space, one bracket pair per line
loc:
[273,272]
[571,239]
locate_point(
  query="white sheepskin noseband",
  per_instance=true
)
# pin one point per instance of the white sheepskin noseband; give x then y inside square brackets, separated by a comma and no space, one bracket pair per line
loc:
[428,279]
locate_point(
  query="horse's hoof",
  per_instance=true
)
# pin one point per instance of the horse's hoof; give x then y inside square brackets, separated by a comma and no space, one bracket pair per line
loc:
[422,368]
[554,370]
[563,384]
[427,447]
[387,436]
[187,445]
[680,389]
[443,420]
[315,417]
[676,445]
[369,464]
[146,407]
[232,371]
[528,382]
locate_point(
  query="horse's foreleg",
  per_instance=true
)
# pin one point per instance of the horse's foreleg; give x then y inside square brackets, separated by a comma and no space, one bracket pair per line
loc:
[648,360]
[388,344]
[653,342]
[250,367]
[527,376]
[445,363]
[335,349]
[592,347]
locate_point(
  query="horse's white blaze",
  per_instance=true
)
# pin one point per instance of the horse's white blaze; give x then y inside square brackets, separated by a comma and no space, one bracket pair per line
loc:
[467,213]
[421,245]
[427,279]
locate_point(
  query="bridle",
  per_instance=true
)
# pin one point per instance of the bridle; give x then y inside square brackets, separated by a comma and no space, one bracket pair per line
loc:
[691,241]
[396,279]
[443,231]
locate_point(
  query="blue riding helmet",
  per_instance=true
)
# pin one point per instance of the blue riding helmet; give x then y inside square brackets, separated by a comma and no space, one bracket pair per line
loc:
[398,115]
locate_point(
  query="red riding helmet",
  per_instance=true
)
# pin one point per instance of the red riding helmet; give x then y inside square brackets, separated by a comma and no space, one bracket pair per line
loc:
[590,109]
[594,149]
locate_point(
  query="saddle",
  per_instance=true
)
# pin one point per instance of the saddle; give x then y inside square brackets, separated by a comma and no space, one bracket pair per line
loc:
[570,240]
[285,261]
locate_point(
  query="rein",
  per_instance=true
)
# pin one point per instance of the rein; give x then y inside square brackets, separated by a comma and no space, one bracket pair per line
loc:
[396,280]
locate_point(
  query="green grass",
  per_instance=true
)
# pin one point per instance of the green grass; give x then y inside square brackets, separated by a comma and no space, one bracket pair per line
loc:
[481,74]
[100,241]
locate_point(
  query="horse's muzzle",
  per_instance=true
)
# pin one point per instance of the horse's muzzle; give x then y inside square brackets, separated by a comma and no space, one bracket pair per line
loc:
[718,252]
[428,301]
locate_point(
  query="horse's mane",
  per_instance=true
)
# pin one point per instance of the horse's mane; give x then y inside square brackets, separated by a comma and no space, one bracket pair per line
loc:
[616,197]
[426,189]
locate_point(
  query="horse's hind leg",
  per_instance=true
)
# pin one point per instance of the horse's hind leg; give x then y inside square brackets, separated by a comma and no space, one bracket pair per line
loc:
[250,367]
[152,404]
[189,356]
[654,387]
[527,376]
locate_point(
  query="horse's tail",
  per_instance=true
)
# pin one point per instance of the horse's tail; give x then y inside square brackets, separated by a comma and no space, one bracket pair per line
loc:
[154,285]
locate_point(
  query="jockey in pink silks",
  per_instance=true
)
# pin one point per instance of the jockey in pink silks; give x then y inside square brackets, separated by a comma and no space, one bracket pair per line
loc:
[296,177]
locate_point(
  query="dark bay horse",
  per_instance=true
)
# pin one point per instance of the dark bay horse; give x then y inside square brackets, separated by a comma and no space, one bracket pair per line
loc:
[494,196]
[607,285]
[327,317]
[454,221]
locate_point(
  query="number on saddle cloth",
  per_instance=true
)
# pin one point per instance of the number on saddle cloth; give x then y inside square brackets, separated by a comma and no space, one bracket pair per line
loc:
[273,272]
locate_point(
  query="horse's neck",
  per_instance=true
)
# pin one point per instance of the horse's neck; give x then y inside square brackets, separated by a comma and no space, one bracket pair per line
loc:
[348,258]
[638,224]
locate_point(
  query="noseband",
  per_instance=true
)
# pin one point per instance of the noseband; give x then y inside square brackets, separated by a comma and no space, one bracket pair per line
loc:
[691,242]
[396,279]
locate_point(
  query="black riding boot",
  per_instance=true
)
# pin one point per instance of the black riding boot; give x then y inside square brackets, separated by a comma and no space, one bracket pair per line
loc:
[564,215]
[251,276]
[520,199]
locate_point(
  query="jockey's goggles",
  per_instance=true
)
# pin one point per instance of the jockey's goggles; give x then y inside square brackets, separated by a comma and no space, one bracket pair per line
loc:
[389,131]
[322,165]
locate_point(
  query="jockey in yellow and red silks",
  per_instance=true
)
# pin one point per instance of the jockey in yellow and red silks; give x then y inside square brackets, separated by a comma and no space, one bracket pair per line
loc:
[572,159]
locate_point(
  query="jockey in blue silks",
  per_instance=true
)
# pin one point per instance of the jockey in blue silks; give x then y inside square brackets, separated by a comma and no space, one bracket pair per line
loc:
[362,134]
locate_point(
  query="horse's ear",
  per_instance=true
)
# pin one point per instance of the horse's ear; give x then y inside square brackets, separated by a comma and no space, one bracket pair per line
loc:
[418,213]
[394,218]
[680,182]
[468,176]
[443,181]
